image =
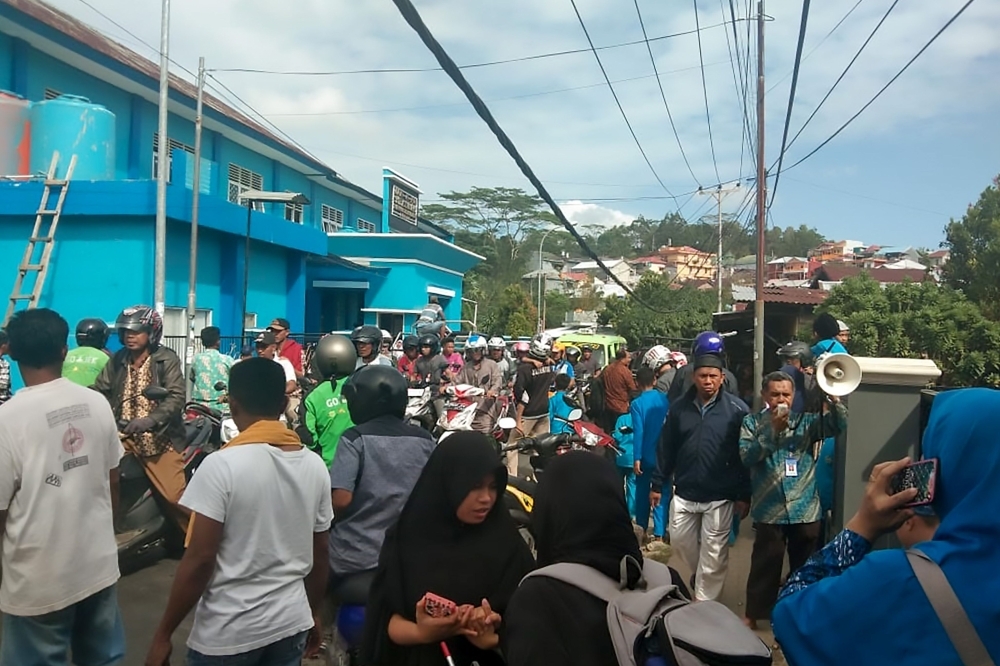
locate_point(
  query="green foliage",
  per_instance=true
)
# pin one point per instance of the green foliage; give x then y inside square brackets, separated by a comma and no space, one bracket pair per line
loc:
[925,320]
[974,241]
[512,313]
[557,304]
[791,242]
[682,312]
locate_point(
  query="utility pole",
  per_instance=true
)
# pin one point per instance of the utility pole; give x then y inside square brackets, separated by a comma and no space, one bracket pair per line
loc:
[192,303]
[758,311]
[162,166]
[719,194]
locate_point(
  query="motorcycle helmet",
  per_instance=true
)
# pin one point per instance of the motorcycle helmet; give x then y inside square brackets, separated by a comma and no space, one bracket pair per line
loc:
[140,319]
[432,341]
[679,358]
[373,391]
[386,336]
[799,350]
[572,351]
[370,335]
[335,356]
[540,347]
[656,357]
[708,342]
[410,342]
[496,343]
[475,343]
[558,347]
[92,333]
[521,347]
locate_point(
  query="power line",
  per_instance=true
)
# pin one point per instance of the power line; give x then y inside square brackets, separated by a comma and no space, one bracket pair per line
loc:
[412,17]
[885,87]
[791,95]
[495,99]
[663,95]
[704,88]
[818,44]
[842,74]
[412,70]
[738,80]
[617,101]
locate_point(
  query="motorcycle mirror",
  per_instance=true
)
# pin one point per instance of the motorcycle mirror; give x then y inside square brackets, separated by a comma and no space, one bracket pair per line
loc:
[155,393]
[507,423]
[575,415]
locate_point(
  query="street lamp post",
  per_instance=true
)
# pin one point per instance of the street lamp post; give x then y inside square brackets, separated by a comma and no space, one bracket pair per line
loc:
[250,197]
[541,281]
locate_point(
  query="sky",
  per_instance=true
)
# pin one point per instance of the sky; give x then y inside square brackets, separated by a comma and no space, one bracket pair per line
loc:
[917,157]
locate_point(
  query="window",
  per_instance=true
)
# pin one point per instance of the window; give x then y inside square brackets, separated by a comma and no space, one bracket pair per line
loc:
[175,322]
[250,321]
[403,205]
[293,213]
[51,93]
[174,145]
[333,219]
[365,226]
[241,180]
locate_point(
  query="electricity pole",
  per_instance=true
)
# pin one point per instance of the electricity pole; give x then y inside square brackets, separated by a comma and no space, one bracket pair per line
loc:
[163,166]
[192,304]
[719,194]
[758,311]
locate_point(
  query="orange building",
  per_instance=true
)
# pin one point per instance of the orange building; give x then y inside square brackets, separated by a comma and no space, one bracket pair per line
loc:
[689,263]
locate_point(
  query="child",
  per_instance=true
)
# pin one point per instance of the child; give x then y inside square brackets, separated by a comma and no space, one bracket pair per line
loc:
[649,412]
[560,405]
[626,459]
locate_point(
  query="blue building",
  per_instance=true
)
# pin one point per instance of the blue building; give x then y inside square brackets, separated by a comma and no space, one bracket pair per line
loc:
[347,257]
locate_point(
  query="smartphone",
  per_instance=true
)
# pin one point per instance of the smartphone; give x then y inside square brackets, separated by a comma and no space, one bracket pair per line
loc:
[921,475]
[438,606]
[781,410]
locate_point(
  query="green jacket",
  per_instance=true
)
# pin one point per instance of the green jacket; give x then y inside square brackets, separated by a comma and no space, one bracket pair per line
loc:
[84,364]
[324,418]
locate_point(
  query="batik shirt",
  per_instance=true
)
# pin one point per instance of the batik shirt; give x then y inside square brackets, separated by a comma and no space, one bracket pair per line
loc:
[207,369]
[847,549]
[783,467]
[146,444]
[4,380]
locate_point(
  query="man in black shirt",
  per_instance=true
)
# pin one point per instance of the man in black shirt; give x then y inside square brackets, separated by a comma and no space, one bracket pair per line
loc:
[531,391]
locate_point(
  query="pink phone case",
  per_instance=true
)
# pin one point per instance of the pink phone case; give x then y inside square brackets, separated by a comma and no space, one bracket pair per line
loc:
[438,606]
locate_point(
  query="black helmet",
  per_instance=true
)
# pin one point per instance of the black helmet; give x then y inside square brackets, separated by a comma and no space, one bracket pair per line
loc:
[799,350]
[411,342]
[432,341]
[373,391]
[141,319]
[92,333]
[335,356]
[371,335]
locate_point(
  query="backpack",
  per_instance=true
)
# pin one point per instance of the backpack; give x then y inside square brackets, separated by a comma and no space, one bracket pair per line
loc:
[654,625]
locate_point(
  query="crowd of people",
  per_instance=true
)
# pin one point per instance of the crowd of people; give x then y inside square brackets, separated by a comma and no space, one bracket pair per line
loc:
[342,501]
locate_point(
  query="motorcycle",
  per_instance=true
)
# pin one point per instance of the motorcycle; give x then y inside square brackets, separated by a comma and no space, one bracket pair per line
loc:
[144,524]
[420,408]
[468,408]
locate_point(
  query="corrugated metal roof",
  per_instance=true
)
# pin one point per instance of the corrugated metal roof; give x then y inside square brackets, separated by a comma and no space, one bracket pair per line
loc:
[776,294]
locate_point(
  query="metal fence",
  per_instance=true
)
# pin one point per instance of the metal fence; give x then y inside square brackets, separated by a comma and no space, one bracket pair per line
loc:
[230,345]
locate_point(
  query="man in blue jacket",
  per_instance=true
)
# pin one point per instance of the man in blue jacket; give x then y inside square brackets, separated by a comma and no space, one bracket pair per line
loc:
[648,412]
[700,450]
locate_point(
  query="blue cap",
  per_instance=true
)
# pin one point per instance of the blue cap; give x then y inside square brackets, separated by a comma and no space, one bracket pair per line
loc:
[924,510]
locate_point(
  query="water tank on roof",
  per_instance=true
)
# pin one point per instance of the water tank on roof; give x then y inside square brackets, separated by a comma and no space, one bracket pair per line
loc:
[73,126]
[15,134]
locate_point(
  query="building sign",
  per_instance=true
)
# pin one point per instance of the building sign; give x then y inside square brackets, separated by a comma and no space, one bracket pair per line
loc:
[403,204]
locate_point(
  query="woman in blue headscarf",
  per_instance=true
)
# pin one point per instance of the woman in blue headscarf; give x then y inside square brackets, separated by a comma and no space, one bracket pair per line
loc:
[849,606]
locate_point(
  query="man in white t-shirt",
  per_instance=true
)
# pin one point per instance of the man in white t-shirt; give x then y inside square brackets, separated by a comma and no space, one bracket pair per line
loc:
[257,562]
[59,454]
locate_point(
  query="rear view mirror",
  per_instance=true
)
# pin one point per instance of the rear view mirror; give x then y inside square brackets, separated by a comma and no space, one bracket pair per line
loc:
[155,393]
[575,415]
[507,423]
[220,386]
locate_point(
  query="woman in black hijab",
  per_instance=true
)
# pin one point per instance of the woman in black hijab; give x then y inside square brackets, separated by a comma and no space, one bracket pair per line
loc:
[454,538]
[580,516]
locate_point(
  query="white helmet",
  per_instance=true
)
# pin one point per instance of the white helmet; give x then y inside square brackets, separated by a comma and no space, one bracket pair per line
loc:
[679,358]
[540,347]
[656,357]
[386,335]
[496,343]
[475,342]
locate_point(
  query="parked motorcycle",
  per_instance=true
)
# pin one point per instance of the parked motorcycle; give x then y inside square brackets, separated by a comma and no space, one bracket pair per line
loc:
[420,408]
[144,524]
[468,408]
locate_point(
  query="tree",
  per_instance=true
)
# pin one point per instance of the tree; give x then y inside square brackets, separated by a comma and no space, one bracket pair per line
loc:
[512,313]
[974,242]
[677,312]
[924,320]
[792,242]
[557,304]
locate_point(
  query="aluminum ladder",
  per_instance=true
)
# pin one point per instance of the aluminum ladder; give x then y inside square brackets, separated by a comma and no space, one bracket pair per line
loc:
[45,239]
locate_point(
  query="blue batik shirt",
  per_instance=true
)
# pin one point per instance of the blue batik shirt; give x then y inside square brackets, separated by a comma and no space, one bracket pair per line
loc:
[783,467]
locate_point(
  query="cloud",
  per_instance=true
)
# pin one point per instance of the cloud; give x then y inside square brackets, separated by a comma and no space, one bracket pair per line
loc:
[587,214]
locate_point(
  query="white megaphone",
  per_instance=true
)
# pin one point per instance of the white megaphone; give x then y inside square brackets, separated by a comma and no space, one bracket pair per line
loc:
[837,374]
